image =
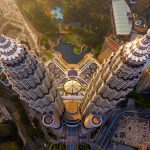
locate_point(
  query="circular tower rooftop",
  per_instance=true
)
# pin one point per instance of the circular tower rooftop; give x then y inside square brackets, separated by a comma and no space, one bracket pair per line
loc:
[96,120]
[48,120]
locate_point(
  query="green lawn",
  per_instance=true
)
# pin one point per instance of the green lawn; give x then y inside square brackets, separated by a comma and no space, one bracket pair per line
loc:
[9,146]
[27,5]
[73,39]
[47,55]
[77,50]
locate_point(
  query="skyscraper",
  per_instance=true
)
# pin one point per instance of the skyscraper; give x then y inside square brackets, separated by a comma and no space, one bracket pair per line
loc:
[29,78]
[114,79]
[117,76]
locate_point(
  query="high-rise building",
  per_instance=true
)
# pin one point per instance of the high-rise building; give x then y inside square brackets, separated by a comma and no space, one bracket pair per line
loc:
[113,80]
[117,76]
[29,78]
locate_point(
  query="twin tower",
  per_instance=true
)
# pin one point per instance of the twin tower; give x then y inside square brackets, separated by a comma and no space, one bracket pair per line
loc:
[113,81]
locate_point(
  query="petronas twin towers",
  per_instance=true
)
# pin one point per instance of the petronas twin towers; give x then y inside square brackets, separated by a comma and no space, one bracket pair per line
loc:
[113,81]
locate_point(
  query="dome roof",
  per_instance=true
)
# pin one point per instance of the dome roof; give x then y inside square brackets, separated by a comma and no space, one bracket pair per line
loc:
[72,87]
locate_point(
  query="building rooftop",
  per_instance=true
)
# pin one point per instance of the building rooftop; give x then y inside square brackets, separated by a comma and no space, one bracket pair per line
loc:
[72,112]
[96,120]
[48,119]
[121,13]
[72,86]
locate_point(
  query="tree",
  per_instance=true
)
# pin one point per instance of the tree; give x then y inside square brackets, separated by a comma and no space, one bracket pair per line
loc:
[89,20]
[22,112]
[32,132]
[35,12]
[141,6]
[1,90]
[36,122]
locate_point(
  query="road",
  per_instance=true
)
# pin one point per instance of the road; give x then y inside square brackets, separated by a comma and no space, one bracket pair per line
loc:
[30,144]
[103,139]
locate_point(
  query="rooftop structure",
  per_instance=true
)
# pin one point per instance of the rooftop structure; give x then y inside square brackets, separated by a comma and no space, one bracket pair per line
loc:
[72,86]
[72,82]
[51,120]
[93,121]
[88,73]
[140,25]
[122,17]
[72,72]
[72,110]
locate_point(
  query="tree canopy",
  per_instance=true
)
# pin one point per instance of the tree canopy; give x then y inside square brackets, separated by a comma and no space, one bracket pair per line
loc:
[93,19]
[140,6]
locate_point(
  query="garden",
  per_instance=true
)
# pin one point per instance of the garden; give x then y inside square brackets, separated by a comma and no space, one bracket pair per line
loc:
[84,22]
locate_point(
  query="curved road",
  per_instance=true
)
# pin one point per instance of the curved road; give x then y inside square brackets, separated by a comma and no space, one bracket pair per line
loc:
[103,139]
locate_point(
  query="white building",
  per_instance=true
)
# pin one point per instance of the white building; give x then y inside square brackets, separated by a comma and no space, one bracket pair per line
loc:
[122,17]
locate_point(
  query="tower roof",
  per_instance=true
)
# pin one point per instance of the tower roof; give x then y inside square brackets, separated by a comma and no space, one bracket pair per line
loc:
[72,86]
[9,50]
[137,51]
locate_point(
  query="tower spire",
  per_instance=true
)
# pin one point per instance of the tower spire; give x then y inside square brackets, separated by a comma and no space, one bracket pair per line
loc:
[136,52]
